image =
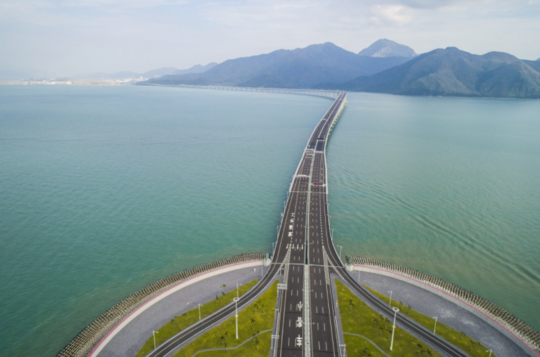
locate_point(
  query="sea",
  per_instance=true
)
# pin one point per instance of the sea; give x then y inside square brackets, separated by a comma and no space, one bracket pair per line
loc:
[104,190]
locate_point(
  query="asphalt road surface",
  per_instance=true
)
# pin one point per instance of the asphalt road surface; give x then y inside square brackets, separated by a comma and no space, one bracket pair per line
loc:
[304,240]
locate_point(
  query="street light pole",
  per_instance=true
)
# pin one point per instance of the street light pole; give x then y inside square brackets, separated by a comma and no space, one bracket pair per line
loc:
[435,326]
[199,312]
[390,302]
[236,301]
[154,334]
[340,247]
[489,352]
[393,327]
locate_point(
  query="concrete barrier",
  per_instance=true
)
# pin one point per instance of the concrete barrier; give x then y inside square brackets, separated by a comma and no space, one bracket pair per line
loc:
[518,331]
[94,333]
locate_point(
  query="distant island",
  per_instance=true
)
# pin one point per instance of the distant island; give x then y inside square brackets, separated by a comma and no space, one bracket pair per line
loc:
[383,67]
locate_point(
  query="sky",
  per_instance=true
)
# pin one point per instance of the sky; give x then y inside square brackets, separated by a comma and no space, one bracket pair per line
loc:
[75,37]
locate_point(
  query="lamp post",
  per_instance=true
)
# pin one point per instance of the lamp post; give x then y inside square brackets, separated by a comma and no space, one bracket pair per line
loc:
[390,302]
[236,301]
[154,334]
[435,326]
[340,247]
[489,352]
[199,312]
[396,310]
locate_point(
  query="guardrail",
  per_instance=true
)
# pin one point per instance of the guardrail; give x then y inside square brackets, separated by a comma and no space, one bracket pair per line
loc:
[83,343]
[314,92]
[518,327]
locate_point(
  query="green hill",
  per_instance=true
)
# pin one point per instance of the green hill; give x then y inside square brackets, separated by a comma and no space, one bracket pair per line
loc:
[452,72]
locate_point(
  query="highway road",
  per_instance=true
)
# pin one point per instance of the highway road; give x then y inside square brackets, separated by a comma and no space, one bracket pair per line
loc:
[306,313]
[287,242]
[302,227]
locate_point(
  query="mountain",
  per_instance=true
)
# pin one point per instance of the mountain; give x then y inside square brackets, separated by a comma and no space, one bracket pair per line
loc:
[171,70]
[387,48]
[533,64]
[160,72]
[452,72]
[153,73]
[299,68]
[196,69]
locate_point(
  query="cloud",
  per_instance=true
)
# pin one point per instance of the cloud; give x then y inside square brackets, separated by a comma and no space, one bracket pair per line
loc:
[125,4]
[429,4]
[390,15]
[110,35]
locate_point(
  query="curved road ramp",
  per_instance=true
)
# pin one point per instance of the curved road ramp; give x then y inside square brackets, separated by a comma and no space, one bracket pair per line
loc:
[86,341]
[515,329]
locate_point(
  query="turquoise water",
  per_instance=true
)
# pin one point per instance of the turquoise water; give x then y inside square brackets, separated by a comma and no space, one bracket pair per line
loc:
[107,189]
[104,190]
[449,186]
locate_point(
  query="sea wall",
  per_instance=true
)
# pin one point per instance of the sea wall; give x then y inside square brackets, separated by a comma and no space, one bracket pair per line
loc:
[517,330]
[91,335]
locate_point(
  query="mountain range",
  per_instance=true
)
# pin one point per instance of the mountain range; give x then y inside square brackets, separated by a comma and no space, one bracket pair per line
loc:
[452,72]
[299,68]
[383,67]
[153,73]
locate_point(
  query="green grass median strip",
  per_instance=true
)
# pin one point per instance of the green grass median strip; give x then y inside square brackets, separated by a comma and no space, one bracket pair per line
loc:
[242,352]
[363,345]
[358,318]
[458,339]
[257,317]
[190,317]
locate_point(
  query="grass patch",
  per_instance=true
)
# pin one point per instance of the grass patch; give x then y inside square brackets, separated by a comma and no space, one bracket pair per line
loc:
[361,347]
[190,317]
[249,349]
[357,317]
[458,339]
[258,316]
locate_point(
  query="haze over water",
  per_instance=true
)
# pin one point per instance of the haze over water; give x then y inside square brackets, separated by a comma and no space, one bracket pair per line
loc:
[107,189]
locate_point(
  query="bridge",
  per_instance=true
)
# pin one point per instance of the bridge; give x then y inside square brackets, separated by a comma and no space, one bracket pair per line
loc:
[306,258]
[305,245]
[327,93]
